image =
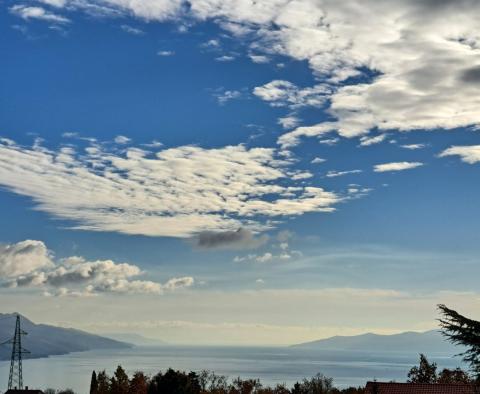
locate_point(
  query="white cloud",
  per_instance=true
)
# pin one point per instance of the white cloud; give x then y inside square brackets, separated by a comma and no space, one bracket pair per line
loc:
[23,258]
[212,44]
[261,59]
[226,95]
[40,13]
[396,166]
[334,174]
[469,154]
[178,283]
[165,53]
[413,146]
[121,139]
[280,93]
[292,138]
[287,122]
[28,264]
[175,192]
[329,141]
[54,3]
[264,258]
[367,141]
[225,58]
[318,160]
[422,74]
[132,30]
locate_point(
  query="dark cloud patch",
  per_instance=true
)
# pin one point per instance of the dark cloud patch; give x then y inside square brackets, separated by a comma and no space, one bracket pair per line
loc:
[239,239]
[471,75]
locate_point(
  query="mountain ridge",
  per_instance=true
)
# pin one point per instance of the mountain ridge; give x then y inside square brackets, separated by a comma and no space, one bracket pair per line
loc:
[44,340]
[421,342]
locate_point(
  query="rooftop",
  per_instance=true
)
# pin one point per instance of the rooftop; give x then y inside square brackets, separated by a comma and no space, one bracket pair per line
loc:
[418,388]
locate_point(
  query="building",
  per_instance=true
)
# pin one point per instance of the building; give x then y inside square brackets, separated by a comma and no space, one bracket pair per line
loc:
[24,391]
[419,388]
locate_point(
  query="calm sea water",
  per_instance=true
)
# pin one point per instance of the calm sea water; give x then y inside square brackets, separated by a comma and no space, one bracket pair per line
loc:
[272,365]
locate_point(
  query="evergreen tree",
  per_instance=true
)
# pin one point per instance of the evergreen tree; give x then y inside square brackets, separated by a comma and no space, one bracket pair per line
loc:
[462,331]
[94,384]
[138,384]
[424,373]
[103,383]
[119,382]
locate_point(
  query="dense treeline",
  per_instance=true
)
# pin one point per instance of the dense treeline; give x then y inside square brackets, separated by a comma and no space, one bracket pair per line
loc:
[205,382]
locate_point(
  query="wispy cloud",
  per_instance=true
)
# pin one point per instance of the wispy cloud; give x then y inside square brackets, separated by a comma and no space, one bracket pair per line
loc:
[177,192]
[165,53]
[334,174]
[367,141]
[224,96]
[31,12]
[132,30]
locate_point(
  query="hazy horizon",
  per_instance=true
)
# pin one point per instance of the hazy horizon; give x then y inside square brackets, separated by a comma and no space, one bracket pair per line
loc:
[239,172]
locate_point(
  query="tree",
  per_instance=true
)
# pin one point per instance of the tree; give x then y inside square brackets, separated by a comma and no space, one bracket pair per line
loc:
[174,382]
[119,382]
[93,383]
[248,386]
[138,384]
[212,383]
[319,384]
[424,373]
[453,376]
[103,383]
[462,331]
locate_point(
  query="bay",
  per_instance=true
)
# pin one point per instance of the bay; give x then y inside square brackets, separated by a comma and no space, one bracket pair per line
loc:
[271,365]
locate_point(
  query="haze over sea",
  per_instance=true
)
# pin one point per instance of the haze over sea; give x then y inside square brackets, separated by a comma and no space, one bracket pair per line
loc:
[269,364]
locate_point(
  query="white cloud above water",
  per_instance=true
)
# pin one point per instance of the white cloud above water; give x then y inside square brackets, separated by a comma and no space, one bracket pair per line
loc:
[29,264]
[176,192]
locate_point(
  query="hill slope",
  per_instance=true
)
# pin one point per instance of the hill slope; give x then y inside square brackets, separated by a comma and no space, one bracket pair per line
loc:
[45,340]
[418,342]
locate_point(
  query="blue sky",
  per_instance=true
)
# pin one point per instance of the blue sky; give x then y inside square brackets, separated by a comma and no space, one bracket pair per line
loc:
[198,158]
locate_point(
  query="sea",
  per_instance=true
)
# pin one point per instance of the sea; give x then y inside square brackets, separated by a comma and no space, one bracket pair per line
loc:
[271,365]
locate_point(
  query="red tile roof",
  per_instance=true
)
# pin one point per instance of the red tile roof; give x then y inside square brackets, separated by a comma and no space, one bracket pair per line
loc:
[418,388]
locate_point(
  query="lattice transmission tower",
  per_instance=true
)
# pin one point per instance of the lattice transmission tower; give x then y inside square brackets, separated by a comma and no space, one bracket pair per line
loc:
[15,379]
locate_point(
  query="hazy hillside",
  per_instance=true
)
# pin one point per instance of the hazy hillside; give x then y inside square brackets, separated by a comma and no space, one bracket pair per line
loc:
[426,342]
[44,340]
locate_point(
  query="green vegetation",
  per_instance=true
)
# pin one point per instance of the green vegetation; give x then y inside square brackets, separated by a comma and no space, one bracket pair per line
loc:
[205,382]
[426,372]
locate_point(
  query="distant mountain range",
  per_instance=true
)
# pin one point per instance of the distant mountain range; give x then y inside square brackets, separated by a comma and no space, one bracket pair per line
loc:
[419,342]
[136,339]
[45,340]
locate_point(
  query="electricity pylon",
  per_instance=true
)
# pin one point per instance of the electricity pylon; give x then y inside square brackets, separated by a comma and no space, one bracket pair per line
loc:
[15,379]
